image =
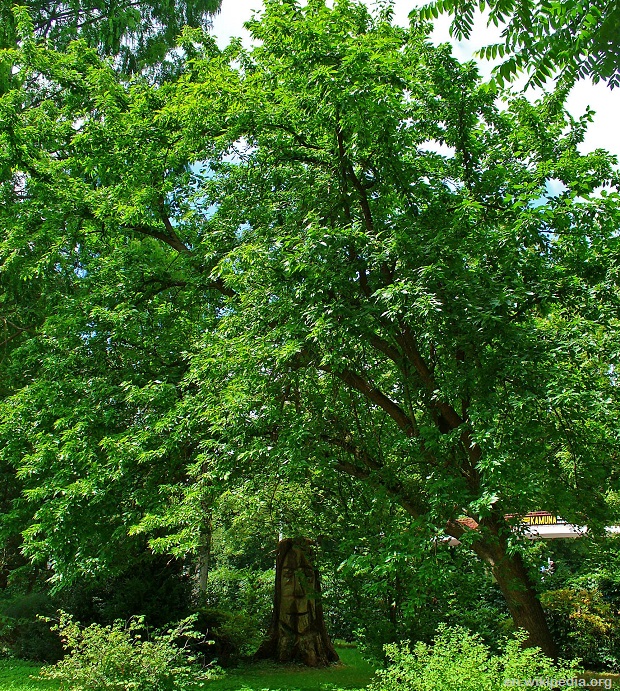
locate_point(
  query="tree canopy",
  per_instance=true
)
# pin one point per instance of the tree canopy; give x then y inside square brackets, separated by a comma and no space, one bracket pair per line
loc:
[573,39]
[332,254]
[135,34]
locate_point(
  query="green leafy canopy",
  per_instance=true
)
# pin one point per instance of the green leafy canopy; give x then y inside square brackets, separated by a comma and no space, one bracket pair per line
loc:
[330,254]
[571,39]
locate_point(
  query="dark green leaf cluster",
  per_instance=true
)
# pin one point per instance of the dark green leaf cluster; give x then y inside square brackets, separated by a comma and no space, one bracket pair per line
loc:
[570,40]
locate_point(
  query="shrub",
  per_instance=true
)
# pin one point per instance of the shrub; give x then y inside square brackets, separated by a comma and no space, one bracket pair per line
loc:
[23,633]
[233,636]
[123,658]
[152,585]
[585,626]
[460,661]
[239,609]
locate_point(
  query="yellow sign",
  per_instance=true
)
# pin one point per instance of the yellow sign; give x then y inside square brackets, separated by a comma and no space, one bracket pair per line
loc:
[539,519]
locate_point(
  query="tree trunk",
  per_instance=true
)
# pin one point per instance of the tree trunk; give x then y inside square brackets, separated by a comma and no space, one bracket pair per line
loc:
[518,590]
[297,632]
[203,563]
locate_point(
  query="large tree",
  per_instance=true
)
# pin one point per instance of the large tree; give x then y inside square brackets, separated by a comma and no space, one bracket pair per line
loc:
[330,254]
[134,37]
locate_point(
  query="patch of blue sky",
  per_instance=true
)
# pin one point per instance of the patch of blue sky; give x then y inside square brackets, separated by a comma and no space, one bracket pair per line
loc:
[553,188]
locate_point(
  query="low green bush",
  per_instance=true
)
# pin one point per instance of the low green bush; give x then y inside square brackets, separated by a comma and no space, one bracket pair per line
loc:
[458,660]
[23,634]
[233,636]
[123,657]
[585,626]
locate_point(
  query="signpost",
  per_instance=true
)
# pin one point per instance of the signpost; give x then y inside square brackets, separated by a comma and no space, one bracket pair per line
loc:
[541,525]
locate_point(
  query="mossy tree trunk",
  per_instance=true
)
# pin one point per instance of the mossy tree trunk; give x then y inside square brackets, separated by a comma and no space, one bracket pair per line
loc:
[297,632]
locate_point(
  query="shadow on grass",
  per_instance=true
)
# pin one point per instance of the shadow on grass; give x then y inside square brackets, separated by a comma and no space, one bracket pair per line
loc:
[353,672]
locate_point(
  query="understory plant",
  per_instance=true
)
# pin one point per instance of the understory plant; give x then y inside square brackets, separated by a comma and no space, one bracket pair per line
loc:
[458,660]
[124,657]
[585,626]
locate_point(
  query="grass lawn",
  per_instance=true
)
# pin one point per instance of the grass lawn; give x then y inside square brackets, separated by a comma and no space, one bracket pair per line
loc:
[15,676]
[353,673]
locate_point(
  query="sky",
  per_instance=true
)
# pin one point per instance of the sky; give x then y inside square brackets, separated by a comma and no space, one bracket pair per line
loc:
[604,132]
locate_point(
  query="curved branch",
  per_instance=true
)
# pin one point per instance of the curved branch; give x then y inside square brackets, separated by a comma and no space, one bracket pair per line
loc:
[378,397]
[170,238]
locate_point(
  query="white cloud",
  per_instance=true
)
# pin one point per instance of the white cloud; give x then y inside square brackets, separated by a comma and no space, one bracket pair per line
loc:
[230,19]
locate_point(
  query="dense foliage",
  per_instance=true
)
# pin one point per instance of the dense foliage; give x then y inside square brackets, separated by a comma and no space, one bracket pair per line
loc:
[582,597]
[572,39]
[326,269]
[135,34]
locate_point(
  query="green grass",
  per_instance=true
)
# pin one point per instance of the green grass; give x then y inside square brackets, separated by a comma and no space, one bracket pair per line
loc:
[15,676]
[352,673]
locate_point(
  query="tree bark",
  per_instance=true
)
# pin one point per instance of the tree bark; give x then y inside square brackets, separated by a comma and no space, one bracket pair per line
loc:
[297,632]
[203,563]
[517,588]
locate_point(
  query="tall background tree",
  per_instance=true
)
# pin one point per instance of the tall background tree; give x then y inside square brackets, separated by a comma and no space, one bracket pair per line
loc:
[136,35]
[332,255]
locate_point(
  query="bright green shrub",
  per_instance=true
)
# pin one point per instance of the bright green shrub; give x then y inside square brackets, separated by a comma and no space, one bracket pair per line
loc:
[123,658]
[233,635]
[459,661]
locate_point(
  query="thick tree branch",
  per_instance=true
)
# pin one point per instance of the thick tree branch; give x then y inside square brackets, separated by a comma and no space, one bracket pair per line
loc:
[379,398]
[408,343]
[348,173]
[368,469]
[371,471]
[19,330]
[170,238]
[361,190]
[384,347]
